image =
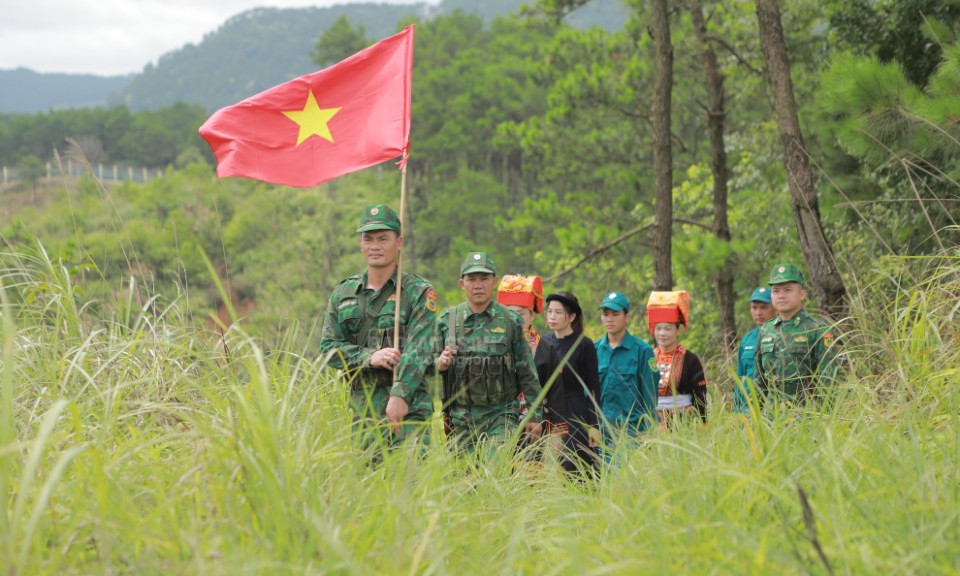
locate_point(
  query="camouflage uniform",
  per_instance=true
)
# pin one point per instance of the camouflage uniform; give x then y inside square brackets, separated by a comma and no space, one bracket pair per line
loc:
[493,365]
[359,321]
[794,356]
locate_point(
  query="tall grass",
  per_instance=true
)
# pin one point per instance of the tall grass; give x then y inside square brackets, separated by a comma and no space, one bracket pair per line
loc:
[134,442]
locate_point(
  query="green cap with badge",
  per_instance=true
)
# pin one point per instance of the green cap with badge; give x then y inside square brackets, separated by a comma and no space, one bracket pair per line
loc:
[761,294]
[379,217]
[615,301]
[783,273]
[478,262]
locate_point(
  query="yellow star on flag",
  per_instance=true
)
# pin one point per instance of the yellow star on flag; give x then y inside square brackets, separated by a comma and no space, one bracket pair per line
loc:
[312,120]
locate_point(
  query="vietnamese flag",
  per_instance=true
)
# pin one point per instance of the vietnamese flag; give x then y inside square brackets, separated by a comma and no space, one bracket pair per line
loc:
[317,127]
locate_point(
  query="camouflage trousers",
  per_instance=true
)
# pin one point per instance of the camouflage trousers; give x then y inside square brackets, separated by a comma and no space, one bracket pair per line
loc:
[492,425]
[369,407]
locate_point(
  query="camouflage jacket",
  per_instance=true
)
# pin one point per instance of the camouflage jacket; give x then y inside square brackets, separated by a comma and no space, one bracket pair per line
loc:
[794,356]
[351,302]
[494,362]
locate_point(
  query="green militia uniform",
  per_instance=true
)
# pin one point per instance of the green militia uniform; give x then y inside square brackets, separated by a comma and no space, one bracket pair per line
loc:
[359,321]
[795,356]
[493,365]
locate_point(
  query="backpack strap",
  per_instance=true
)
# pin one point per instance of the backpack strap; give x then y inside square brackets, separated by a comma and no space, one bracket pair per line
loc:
[368,319]
[510,330]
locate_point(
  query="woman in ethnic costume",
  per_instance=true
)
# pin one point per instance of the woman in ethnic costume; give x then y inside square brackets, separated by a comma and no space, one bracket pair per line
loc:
[524,295]
[574,416]
[682,388]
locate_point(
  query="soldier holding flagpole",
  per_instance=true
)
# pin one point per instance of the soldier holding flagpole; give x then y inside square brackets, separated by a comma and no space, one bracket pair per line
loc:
[379,327]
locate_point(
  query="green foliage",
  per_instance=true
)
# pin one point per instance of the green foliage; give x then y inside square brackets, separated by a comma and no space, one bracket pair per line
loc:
[30,169]
[468,79]
[110,135]
[876,100]
[155,138]
[588,158]
[911,33]
[278,250]
[608,14]
[908,141]
[339,41]
[583,150]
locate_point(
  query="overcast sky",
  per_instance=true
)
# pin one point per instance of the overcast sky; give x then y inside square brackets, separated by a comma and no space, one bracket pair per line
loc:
[110,37]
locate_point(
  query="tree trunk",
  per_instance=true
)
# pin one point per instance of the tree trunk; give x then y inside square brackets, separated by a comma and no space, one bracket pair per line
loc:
[662,153]
[716,116]
[826,282]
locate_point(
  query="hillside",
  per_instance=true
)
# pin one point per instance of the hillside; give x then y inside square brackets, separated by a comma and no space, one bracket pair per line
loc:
[264,47]
[27,92]
[250,52]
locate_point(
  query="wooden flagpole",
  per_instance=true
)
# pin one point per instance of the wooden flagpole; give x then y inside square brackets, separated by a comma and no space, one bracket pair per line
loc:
[403,219]
[403,195]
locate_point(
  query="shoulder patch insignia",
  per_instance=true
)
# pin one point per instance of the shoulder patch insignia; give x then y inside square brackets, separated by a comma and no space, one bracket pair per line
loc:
[828,339]
[431,300]
[498,330]
[653,364]
[347,302]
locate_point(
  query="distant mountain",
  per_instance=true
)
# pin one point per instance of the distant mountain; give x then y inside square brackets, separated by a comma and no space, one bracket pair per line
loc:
[249,53]
[27,92]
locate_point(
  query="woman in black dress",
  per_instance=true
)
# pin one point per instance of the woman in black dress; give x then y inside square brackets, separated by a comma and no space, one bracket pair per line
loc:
[573,419]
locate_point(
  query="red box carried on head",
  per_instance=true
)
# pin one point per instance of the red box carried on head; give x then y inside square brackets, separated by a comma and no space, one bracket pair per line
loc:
[518,290]
[671,307]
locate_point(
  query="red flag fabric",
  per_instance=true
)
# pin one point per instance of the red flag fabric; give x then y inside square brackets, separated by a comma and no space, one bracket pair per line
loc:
[317,127]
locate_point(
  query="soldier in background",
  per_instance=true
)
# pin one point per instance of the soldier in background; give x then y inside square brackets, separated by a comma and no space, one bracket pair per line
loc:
[796,353]
[387,378]
[762,310]
[486,361]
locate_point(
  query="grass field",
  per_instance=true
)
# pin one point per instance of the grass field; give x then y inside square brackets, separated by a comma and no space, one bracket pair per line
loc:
[134,442]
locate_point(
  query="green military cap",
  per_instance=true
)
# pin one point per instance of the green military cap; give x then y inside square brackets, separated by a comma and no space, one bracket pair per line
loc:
[761,295]
[379,217]
[783,273]
[477,262]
